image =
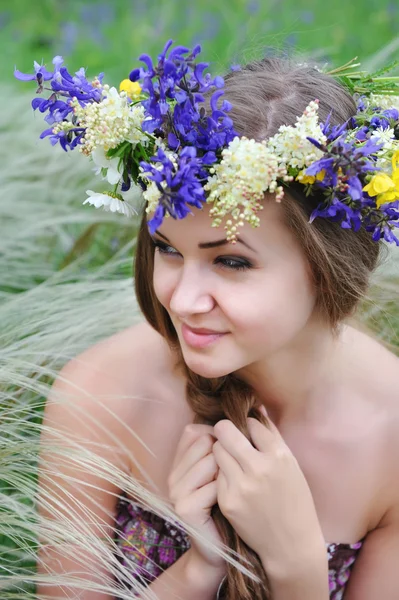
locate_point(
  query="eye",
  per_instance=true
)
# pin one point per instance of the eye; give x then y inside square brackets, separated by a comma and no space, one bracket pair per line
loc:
[234,264]
[164,248]
[226,262]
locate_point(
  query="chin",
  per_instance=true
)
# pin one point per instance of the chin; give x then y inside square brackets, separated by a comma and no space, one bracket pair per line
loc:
[206,366]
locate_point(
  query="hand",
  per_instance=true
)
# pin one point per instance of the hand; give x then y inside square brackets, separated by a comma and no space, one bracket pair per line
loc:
[192,488]
[263,493]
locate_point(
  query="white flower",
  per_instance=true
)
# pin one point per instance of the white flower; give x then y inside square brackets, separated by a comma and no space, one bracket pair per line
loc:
[386,136]
[385,101]
[111,164]
[291,143]
[110,122]
[152,196]
[152,193]
[110,202]
[384,156]
[248,169]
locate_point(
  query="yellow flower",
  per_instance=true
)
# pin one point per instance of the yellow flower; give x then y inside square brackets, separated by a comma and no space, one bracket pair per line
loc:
[384,187]
[303,178]
[395,161]
[132,88]
[387,197]
[379,184]
[395,168]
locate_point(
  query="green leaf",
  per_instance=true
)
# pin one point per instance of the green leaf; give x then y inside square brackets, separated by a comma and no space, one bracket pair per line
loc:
[119,150]
[389,67]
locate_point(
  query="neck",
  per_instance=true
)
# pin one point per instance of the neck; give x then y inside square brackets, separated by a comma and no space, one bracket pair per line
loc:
[295,382]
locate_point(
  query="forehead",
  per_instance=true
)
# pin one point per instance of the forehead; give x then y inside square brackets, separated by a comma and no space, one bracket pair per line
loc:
[194,229]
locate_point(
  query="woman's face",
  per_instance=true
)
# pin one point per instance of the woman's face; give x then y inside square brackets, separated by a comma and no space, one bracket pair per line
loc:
[257,295]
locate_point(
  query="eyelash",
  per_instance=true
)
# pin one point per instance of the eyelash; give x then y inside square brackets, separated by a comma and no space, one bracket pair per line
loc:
[239,265]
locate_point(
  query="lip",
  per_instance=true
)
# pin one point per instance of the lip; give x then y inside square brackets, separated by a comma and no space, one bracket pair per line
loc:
[200,338]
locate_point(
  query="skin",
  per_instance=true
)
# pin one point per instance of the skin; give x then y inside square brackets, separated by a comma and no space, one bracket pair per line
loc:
[333,400]
[321,391]
[280,334]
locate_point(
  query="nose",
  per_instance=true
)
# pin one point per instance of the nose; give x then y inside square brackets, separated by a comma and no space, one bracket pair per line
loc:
[191,294]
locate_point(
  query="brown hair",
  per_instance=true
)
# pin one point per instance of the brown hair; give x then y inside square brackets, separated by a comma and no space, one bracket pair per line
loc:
[266,94]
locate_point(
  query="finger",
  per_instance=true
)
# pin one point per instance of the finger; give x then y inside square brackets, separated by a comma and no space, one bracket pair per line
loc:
[226,463]
[200,474]
[264,437]
[236,444]
[270,425]
[201,500]
[190,434]
[200,448]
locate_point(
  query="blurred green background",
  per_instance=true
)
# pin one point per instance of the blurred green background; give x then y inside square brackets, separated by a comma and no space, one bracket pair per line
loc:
[109,36]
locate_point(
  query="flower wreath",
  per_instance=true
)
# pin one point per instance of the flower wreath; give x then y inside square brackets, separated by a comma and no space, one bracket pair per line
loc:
[155,133]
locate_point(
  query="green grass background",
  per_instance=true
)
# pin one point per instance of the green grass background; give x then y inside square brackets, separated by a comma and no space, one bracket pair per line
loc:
[65,269]
[110,35]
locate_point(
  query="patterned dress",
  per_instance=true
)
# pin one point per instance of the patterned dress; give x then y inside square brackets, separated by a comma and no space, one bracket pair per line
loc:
[150,545]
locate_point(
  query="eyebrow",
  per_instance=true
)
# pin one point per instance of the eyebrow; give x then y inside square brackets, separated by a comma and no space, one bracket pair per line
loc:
[215,244]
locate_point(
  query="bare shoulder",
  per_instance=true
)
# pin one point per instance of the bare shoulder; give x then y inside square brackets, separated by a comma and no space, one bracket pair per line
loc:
[381,379]
[135,375]
[135,363]
[380,364]
[377,368]
[133,346]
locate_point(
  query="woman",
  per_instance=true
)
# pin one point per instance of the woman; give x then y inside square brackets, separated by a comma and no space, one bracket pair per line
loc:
[275,425]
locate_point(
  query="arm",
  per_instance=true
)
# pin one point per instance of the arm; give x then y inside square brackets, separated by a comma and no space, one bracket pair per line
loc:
[73,497]
[376,571]
[308,578]
[188,579]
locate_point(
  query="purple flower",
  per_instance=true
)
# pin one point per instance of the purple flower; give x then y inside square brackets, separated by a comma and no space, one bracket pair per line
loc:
[156,221]
[382,223]
[184,184]
[392,114]
[355,187]
[176,88]
[178,77]
[345,165]
[348,159]
[41,74]
[64,87]
[361,104]
[337,131]
[325,127]
[338,211]
[361,135]
[66,139]
[326,164]
[76,86]
[370,147]
[379,121]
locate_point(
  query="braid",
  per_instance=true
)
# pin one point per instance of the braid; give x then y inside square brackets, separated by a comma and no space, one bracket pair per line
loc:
[229,398]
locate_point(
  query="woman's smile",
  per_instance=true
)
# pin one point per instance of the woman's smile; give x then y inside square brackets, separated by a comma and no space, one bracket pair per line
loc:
[200,338]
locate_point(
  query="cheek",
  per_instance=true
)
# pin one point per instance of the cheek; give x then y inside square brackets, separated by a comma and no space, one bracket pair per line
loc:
[162,284]
[273,309]
[165,280]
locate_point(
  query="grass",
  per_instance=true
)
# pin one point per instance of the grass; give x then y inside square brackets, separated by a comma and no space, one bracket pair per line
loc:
[109,36]
[66,270]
